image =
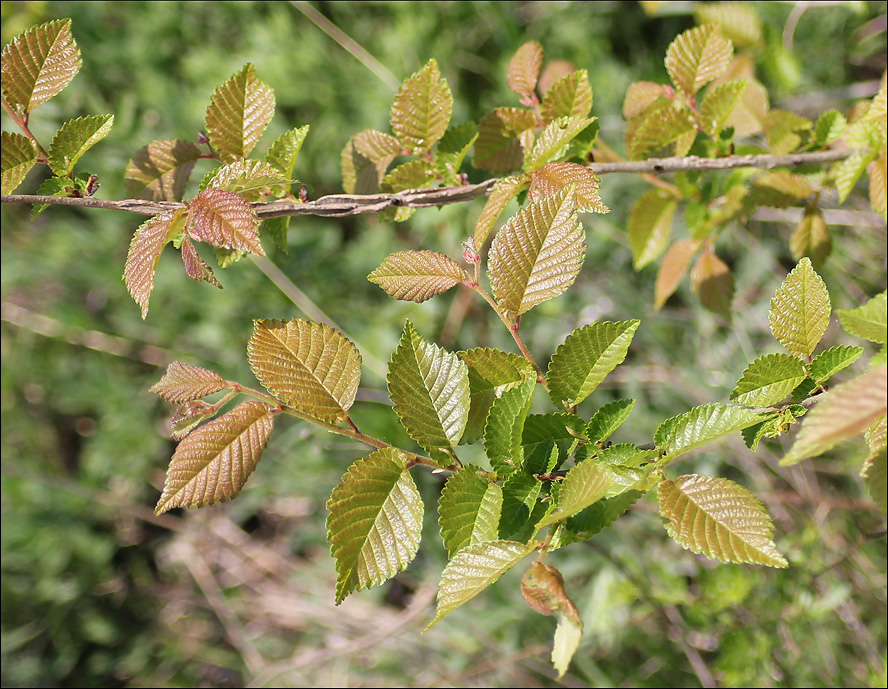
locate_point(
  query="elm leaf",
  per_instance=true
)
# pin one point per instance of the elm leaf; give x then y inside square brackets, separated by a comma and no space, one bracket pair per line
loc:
[524,69]
[553,177]
[283,152]
[239,111]
[498,148]
[768,380]
[506,189]
[144,253]
[800,309]
[421,109]
[697,57]
[868,320]
[184,382]
[226,220]
[584,485]
[19,156]
[74,138]
[365,159]
[469,509]
[570,96]
[160,170]
[417,275]
[702,425]
[650,226]
[491,373]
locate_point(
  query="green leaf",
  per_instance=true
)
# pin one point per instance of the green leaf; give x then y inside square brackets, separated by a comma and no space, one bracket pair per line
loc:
[782,129]
[584,485]
[869,320]
[542,433]
[553,140]
[414,174]
[524,69]
[829,127]
[227,257]
[469,510]
[498,149]
[570,96]
[375,521]
[717,518]
[19,156]
[491,373]
[505,427]
[831,361]
[845,411]
[602,514]
[74,138]
[659,128]
[554,177]
[538,254]
[780,189]
[226,220]
[800,309]
[811,237]
[365,159]
[429,388]
[183,383]
[738,21]
[473,569]
[700,426]
[719,104]
[38,64]
[650,226]
[54,186]
[697,57]
[503,191]
[847,172]
[608,419]
[521,492]
[239,111]
[252,179]
[309,366]
[875,472]
[453,148]
[214,462]
[417,275]
[768,380]
[283,152]
[160,170]
[586,357]
[421,110]
[144,253]
[640,96]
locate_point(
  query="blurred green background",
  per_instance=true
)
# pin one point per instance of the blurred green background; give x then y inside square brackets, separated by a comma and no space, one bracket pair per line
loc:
[97,591]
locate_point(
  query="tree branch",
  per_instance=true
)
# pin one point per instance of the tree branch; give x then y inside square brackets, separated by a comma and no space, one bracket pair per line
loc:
[340,205]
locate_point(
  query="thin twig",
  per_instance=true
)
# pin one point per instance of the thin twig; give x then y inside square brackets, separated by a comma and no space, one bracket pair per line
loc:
[341,205]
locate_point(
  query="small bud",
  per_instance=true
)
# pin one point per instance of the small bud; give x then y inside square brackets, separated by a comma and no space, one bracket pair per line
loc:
[202,138]
[470,255]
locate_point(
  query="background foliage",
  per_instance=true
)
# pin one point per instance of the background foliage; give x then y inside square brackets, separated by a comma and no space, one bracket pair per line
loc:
[96,592]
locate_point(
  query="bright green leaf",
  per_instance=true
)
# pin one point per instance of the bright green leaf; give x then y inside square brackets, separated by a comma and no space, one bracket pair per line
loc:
[702,425]
[505,426]
[19,156]
[570,96]
[800,310]
[491,373]
[283,152]
[553,139]
[584,485]
[74,138]
[608,419]
[469,510]
[719,104]
[421,110]
[869,320]
[252,179]
[831,361]
[698,56]
[768,380]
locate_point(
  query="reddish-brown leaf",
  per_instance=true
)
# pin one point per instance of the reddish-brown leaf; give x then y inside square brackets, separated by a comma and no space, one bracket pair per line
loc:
[713,282]
[160,171]
[672,270]
[183,382]
[141,261]
[554,177]
[195,267]
[524,69]
[226,220]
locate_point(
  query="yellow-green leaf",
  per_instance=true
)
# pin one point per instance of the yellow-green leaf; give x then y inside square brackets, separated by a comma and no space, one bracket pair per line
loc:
[811,237]
[698,56]
[503,191]
[39,63]
[847,410]
[640,95]
[19,156]
[570,96]
[718,105]
[702,425]
[553,139]
[584,485]
[847,172]
[160,170]
[768,380]
[800,310]
[309,366]
[878,178]
[74,138]
[421,110]
[868,320]
[238,114]
[469,509]
[375,521]
[417,275]
[214,462]
[538,254]
[717,518]
[650,226]
[524,69]
[738,21]
[554,177]
[283,152]
[659,128]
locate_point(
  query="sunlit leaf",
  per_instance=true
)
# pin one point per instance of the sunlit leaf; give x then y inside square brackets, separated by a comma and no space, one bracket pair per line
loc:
[608,419]
[226,220]
[365,159]
[195,267]
[188,416]
[811,237]
[429,388]
[650,226]
[184,382]
[504,430]
[469,510]
[601,514]
[160,170]
[239,111]
[673,268]
[74,138]
[309,366]
[283,152]
[869,320]
[875,474]
[473,569]
[847,410]
[570,96]
[554,177]
[800,310]
[19,156]
[417,275]
[498,149]
[491,373]
[144,252]
[739,22]
[585,484]
[586,357]
[847,172]
[831,361]
[829,127]
[782,129]
[553,139]
[749,115]
[375,521]
[698,56]
[702,425]
[524,68]
[768,380]
[538,254]
[214,462]
[639,96]
[414,174]
[719,104]
[252,179]
[712,281]
[878,176]
[717,518]
[39,63]
[780,189]
[659,128]
[503,191]
[421,110]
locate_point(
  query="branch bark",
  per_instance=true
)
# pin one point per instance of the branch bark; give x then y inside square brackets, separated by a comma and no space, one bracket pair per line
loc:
[340,205]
